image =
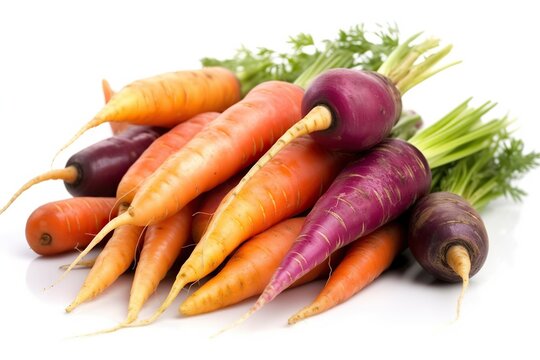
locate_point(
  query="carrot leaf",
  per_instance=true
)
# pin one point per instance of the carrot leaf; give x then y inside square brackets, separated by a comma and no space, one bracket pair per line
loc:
[305,58]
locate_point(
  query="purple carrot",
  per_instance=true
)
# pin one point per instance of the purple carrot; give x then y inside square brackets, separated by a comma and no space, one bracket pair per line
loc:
[377,188]
[96,170]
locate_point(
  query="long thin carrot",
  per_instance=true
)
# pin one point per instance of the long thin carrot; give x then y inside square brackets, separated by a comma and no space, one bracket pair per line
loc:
[115,258]
[163,147]
[163,243]
[208,205]
[65,225]
[364,260]
[168,99]
[249,270]
[289,184]
[225,146]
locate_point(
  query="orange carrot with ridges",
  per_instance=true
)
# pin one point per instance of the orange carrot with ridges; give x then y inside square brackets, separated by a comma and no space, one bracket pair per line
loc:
[225,146]
[65,225]
[115,258]
[289,184]
[168,99]
[209,204]
[365,259]
[163,243]
[249,270]
[163,147]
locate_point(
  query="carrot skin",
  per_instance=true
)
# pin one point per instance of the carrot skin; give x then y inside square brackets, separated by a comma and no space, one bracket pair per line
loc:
[115,258]
[364,260]
[239,136]
[365,105]
[208,205]
[249,269]
[369,192]
[101,166]
[65,225]
[440,220]
[163,243]
[158,151]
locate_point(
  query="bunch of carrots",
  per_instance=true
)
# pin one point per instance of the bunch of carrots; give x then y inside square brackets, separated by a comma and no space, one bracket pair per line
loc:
[264,171]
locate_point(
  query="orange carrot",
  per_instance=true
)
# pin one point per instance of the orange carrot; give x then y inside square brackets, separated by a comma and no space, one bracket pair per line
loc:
[163,243]
[65,225]
[289,184]
[209,204]
[365,259]
[225,146]
[108,92]
[115,258]
[163,147]
[168,99]
[250,269]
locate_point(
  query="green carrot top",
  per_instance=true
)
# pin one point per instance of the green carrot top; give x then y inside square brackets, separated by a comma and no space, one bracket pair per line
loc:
[304,59]
[489,173]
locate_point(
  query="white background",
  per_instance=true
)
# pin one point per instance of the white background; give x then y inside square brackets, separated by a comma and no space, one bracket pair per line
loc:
[53,56]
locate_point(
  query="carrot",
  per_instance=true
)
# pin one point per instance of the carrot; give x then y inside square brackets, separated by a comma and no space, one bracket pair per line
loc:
[108,92]
[65,225]
[163,243]
[163,147]
[364,260]
[168,99]
[289,184]
[128,236]
[249,270]
[115,258]
[209,204]
[225,146]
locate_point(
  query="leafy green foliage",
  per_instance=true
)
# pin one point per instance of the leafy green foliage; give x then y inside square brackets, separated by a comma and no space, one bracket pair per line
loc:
[354,47]
[488,174]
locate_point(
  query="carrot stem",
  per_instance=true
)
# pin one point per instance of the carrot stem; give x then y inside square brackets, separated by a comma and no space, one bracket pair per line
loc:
[68,174]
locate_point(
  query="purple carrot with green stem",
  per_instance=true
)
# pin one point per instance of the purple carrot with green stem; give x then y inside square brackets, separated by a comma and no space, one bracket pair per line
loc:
[378,187]
[447,236]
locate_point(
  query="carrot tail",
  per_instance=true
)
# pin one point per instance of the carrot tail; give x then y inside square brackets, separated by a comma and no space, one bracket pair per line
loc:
[458,259]
[319,118]
[68,174]
[181,281]
[91,124]
[320,305]
[123,219]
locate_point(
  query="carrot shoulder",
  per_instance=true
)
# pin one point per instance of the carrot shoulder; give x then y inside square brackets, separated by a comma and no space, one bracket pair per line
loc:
[364,260]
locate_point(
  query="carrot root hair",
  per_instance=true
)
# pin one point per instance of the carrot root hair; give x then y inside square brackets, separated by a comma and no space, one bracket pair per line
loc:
[93,123]
[68,174]
[459,260]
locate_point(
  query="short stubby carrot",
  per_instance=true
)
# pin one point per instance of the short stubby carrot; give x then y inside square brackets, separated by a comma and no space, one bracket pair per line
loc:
[288,185]
[65,225]
[229,143]
[115,258]
[249,270]
[163,147]
[364,260]
[168,99]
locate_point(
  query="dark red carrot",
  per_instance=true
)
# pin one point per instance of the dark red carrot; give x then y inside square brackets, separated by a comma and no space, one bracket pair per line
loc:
[96,170]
